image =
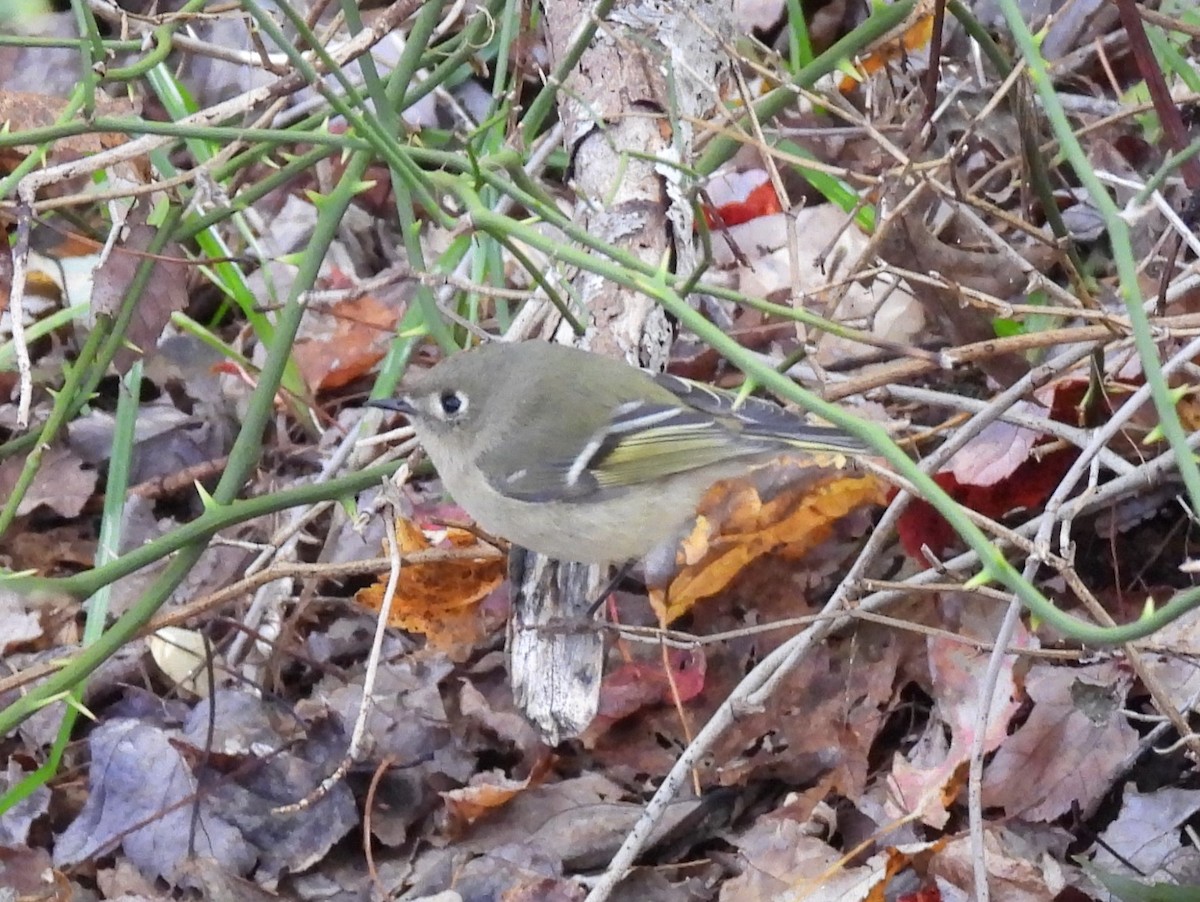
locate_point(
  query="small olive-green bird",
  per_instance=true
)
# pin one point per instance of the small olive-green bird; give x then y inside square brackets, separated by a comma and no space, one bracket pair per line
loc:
[583,458]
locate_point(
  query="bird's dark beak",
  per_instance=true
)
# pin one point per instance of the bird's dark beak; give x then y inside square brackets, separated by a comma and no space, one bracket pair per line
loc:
[400,405]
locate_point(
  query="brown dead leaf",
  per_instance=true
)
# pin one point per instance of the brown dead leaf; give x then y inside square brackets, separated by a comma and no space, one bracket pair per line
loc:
[342,344]
[961,260]
[928,780]
[130,756]
[439,599]
[997,451]
[18,623]
[784,509]
[819,726]
[1148,834]
[1173,658]
[485,793]
[165,292]
[409,723]
[63,483]
[22,111]
[1018,869]
[30,874]
[69,547]
[578,822]
[123,879]
[641,684]
[1073,744]
[831,710]
[780,858]
[767,265]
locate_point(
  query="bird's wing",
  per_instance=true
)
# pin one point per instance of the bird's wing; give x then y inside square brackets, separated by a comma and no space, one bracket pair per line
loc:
[650,440]
[647,441]
[644,442]
[760,419]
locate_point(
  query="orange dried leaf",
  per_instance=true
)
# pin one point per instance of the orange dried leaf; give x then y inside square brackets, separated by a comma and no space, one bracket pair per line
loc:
[467,805]
[345,343]
[741,520]
[439,599]
[1189,412]
[910,35]
[410,537]
[488,792]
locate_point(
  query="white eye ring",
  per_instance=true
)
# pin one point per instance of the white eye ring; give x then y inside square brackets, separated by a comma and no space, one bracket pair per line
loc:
[450,404]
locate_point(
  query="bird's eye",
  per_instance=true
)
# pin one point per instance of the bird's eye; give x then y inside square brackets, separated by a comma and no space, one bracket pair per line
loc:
[452,402]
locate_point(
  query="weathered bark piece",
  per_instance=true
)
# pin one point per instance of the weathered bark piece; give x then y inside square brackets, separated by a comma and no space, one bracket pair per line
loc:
[555,654]
[627,109]
[650,71]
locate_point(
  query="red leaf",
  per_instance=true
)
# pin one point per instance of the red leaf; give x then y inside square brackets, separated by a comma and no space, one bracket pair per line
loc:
[1028,486]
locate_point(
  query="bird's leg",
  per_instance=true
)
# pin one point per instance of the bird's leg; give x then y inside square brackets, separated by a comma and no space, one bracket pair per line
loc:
[618,577]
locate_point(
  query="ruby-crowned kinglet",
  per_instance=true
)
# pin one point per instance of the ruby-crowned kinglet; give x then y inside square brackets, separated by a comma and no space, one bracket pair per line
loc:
[583,458]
